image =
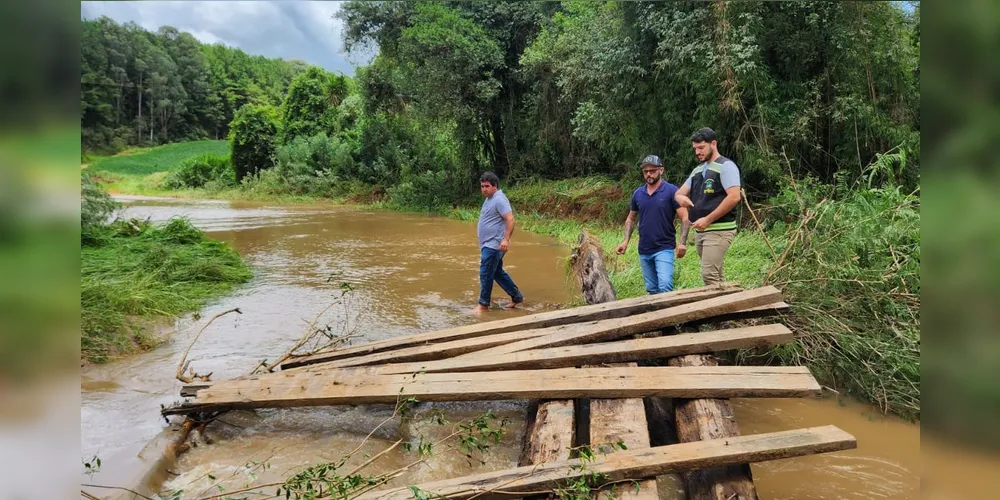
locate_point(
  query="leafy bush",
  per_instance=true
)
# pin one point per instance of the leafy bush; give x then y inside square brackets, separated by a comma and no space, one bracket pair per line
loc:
[96,209]
[252,139]
[427,191]
[198,171]
[850,268]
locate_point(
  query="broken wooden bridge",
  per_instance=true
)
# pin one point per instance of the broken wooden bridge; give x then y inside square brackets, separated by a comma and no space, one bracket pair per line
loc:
[629,368]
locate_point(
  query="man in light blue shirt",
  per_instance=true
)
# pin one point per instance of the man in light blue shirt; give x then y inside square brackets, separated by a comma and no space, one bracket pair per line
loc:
[496,224]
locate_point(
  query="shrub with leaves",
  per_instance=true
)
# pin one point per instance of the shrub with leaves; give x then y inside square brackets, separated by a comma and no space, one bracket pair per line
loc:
[198,171]
[252,139]
[850,268]
[96,206]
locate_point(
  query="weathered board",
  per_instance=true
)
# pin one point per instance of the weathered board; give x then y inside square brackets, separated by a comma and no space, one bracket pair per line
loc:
[617,309]
[622,327]
[576,333]
[548,433]
[639,463]
[606,352]
[349,387]
[592,354]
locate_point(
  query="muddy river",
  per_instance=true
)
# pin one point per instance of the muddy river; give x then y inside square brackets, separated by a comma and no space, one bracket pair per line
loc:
[411,273]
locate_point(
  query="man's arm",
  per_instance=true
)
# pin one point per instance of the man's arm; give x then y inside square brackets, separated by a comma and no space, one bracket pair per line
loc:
[629,226]
[685,226]
[505,242]
[681,196]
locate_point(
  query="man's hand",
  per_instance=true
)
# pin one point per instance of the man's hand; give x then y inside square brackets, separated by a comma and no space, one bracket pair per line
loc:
[680,251]
[701,223]
[503,245]
[621,248]
[684,201]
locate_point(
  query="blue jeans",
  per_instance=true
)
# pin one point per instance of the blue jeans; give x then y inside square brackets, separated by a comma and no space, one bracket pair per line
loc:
[490,270]
[658,271]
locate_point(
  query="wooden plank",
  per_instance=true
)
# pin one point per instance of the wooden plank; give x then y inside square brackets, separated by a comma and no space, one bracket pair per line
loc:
[647,462]
[705,419]
[576,333]
[623,421]
[600,353]
[432,351]
[622,327]
[606,352]
[774,309]
[548,435]
[617,309]
[305,388]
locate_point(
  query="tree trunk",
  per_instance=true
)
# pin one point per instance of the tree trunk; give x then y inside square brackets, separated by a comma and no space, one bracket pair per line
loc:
[703,419]
[139,124]
[610,420]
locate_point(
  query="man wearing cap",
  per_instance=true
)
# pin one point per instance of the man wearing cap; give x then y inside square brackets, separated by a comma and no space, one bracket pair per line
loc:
[711,193]
[654,204]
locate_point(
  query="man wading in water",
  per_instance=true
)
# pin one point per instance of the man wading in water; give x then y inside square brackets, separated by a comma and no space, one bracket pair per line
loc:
[496,224]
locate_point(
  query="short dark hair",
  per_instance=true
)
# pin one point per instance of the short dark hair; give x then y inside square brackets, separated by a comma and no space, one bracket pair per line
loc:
[491,178]
[704,135]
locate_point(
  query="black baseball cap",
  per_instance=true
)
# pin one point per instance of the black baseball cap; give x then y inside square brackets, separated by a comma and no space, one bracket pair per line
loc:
[651,160]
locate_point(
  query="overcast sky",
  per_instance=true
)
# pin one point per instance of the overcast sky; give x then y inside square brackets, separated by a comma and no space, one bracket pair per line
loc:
[286,29]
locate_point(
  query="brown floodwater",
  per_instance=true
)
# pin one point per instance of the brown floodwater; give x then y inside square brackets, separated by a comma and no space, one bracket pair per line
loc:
[411,274]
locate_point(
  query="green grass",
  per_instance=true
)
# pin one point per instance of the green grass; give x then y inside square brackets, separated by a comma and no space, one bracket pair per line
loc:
[145,161]
[132,272]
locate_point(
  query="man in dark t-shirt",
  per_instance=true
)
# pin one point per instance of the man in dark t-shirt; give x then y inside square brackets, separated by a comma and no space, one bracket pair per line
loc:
[654,205]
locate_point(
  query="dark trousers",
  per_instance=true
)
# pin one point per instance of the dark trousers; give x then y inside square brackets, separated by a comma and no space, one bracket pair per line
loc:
[490,270]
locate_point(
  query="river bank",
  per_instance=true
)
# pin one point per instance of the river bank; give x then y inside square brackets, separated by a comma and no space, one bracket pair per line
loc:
[848,262]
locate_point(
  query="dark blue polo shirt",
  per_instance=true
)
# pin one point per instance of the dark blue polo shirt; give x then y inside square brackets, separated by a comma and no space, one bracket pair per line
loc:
[656,217]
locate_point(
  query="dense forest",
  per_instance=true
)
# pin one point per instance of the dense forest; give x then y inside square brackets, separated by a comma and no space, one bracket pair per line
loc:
[535,90]
[143,88]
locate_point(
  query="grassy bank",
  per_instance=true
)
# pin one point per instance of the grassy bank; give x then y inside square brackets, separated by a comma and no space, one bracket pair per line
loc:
[846,257]
[145,161]
[133,273]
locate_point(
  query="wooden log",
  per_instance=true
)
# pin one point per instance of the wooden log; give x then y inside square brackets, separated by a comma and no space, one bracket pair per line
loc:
[548,434]
[622,327]
[335,388]
[614,421]
[623,465]
[617,309]
[708,419]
